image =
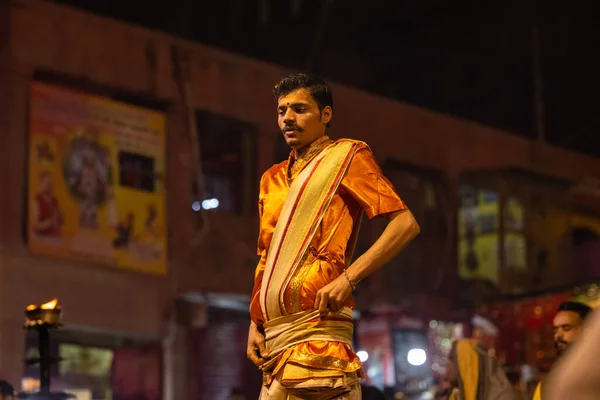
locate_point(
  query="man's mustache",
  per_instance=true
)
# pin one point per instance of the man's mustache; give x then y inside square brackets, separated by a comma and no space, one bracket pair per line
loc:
[291,127]
[559,342]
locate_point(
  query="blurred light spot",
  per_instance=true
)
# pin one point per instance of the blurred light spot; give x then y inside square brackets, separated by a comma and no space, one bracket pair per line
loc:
[210,204]
[416,357]
[362,355]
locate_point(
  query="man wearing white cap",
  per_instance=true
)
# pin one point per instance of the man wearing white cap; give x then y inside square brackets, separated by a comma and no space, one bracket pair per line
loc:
[485,333]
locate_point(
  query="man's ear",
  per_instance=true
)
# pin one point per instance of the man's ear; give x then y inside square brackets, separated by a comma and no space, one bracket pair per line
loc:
[326,115]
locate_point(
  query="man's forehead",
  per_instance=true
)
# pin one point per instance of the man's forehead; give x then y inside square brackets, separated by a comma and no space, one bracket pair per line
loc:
[298,96]
[566,318]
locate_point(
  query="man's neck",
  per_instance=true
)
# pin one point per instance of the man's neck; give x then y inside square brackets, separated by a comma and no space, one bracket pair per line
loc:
[299,152]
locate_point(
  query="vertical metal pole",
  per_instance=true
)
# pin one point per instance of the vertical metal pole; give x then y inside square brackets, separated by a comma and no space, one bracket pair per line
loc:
[538,84]
[296,6]
[45,362]
[319,33]
[264,12]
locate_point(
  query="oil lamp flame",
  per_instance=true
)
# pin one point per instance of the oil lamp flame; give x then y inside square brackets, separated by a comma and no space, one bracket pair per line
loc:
[51,305]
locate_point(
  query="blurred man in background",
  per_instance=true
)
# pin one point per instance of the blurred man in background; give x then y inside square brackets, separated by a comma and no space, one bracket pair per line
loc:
[485,333]
[577,375]
[472,374]
[568,324]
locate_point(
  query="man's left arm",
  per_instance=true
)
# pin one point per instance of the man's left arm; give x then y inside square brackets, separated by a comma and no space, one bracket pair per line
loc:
[400,231]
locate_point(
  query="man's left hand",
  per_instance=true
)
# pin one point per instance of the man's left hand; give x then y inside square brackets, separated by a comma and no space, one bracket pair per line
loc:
[332,296]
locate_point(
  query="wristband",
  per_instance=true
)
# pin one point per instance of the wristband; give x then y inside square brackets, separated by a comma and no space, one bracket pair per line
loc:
[352,285]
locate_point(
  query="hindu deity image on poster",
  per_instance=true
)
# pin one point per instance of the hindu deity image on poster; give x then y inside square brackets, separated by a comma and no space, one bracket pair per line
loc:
[96,180]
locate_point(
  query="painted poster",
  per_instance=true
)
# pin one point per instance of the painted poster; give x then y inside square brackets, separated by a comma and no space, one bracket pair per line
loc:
[96,180]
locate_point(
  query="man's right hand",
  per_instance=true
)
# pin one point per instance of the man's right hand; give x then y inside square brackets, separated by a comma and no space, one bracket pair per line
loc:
[257,351]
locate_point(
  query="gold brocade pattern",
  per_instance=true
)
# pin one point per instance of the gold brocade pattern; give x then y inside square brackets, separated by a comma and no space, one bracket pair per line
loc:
[363,187]
[295,372]
[325,362]
[298,281]
[324,356]
[298,164]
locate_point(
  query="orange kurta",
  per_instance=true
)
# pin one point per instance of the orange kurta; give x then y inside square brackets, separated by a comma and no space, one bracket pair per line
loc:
[364,187]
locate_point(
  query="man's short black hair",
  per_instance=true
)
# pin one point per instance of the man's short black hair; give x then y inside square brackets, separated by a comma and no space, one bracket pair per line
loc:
[576,307]
[6,389]
[317,87]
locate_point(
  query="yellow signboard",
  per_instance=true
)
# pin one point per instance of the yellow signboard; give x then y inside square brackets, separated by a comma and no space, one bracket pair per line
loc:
[478,241]
[96,180]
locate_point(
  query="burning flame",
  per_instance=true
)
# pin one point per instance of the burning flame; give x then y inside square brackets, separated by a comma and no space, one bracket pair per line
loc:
[51,305]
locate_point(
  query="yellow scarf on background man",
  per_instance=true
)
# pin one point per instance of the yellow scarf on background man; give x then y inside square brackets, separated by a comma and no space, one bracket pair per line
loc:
[537,395]
[468,367]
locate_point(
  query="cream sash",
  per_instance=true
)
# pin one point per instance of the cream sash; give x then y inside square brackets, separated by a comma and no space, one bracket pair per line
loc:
[305,326]
[309,197]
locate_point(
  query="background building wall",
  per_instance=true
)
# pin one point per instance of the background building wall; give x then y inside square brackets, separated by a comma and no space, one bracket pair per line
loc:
[106,53]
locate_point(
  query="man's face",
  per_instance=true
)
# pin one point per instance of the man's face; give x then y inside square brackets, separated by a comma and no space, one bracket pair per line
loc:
[483,338]
[300,119]
[567,325]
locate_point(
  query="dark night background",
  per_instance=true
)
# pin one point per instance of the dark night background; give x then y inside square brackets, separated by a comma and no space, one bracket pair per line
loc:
[472,59]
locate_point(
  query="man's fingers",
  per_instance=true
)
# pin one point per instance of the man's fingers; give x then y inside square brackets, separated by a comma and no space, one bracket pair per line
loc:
[262,349]
[333,305]
[253,356]
[317,300]
[324,303]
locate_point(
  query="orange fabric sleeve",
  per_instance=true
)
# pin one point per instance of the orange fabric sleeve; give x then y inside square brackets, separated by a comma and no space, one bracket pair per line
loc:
[367,185]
